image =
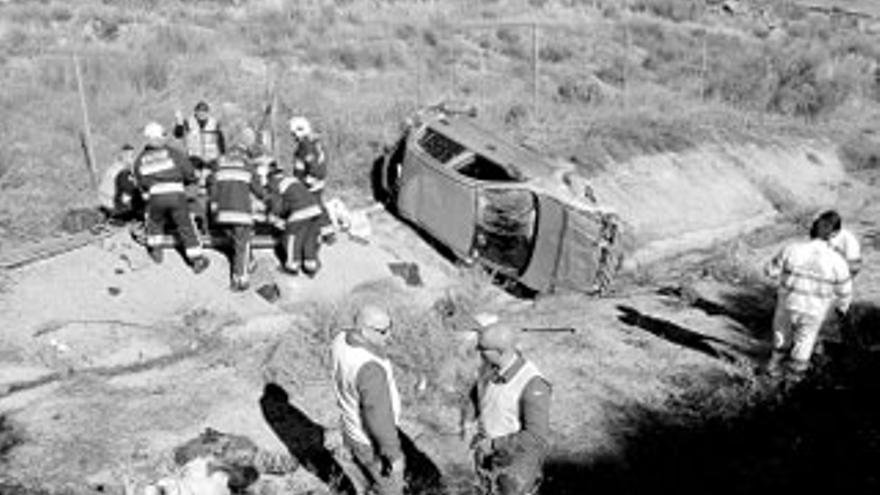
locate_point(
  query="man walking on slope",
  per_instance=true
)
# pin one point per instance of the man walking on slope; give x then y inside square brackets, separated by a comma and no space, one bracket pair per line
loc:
[512,404]
[369,400]
[161,171]
[812,278]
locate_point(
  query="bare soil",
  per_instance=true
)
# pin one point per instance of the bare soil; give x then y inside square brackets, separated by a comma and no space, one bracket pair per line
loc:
[655,389]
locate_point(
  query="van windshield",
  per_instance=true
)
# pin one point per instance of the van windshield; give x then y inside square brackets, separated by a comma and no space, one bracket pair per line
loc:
[505,228]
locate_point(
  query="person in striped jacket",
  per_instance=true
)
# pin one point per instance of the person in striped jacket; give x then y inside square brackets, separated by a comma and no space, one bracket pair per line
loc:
[295,211]
[812,279]
[162,171]
[230,187]
[310,167]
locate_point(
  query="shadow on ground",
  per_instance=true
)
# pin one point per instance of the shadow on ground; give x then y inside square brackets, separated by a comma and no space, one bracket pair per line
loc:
[304,439]
[676,334]
[751,307]
[821,435]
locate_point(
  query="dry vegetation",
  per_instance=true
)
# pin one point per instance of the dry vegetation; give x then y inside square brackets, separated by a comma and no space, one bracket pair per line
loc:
[613,82]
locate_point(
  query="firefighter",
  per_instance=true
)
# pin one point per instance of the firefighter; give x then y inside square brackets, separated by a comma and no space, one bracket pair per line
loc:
[162,171]
[230,186]
[296,211]
[310,167]
[512,406]
[205,144]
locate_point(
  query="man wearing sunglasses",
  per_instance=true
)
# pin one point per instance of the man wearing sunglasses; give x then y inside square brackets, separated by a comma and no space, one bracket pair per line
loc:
[369,400]
[512,402]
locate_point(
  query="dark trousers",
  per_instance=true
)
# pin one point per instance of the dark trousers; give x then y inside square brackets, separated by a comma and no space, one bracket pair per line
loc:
[370,466]
[164,210]
[240,249]
[301,241]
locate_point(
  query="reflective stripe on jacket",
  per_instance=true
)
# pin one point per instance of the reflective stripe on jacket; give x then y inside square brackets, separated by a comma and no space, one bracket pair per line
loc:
[811,276]
[162,170]
[347,363]
[291,199]
[231,187]
[203,142]
[166,188]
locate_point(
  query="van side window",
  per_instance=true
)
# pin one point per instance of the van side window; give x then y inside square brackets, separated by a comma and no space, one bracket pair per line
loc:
[440,147]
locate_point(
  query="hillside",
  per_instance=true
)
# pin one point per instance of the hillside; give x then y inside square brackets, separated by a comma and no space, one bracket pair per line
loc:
[715,129]
[610,83]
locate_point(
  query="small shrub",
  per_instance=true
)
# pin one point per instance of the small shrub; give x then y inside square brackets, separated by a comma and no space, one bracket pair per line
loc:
[860,153]
[60,13]
[675,10]
[9,438]
[555,53]
[151,72]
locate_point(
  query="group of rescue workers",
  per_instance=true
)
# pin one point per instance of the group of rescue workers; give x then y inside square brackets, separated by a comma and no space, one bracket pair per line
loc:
[222,190]
[218,190]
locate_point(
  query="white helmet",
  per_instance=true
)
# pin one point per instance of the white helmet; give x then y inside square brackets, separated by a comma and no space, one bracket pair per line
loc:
[154,130]
[300,127]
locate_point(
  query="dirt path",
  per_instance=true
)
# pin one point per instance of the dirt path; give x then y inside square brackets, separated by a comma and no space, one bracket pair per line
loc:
[123,360]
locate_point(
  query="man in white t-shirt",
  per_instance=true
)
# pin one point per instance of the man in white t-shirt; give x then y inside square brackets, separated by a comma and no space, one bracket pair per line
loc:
[847,245]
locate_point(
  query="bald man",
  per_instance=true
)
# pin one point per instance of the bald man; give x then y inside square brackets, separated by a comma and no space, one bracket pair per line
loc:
[369,400]
[512,406]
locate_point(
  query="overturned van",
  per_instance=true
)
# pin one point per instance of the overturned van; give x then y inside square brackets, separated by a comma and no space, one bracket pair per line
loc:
[506,207]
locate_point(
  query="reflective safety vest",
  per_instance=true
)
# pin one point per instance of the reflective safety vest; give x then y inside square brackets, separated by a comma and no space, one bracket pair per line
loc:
[347,362]
[500,403]
[203,142]
[811,276]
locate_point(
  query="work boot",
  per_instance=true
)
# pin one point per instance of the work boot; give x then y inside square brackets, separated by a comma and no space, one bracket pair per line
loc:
[156,254]
[311,267]
[291,268]
[200,264]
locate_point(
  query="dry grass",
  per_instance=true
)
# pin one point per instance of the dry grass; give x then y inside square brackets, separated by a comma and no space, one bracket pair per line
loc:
[613,84]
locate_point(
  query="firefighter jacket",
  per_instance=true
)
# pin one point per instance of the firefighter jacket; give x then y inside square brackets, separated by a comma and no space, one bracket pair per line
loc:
[231,185]
[811,276]
[310,164]
[290,199]
[367,394]
[163,170]
[204,140]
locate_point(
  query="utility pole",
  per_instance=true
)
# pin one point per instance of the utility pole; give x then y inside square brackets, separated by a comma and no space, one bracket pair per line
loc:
[86,134]
[535,62]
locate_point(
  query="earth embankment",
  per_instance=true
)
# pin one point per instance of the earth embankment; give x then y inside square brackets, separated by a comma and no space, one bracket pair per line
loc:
[678,201]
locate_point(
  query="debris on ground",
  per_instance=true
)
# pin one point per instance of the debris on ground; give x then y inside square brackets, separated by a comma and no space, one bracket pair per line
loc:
[269,292]
[81,219]
[408,271]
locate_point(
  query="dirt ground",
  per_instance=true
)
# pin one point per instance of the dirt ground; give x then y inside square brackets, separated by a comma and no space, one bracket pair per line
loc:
[108,362]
